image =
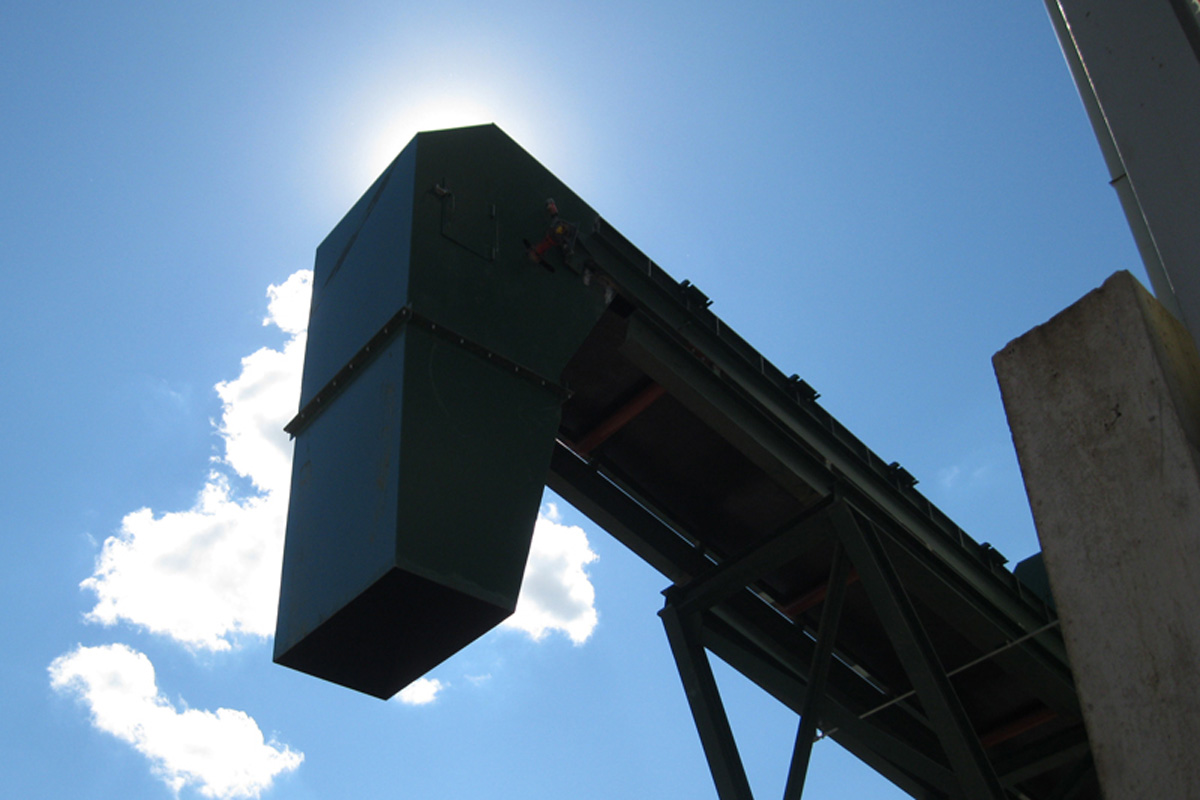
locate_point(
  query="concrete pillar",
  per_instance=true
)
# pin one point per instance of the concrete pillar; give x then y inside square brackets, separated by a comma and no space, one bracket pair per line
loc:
[1104,406]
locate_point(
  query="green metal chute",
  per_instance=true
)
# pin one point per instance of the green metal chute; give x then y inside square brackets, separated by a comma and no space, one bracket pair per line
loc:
[430,403]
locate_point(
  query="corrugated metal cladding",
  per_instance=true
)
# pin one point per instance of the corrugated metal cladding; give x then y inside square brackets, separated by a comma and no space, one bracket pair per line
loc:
[429,409]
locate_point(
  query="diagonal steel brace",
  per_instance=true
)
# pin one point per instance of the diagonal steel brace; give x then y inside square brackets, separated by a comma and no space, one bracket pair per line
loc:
[704,698]
[903,626]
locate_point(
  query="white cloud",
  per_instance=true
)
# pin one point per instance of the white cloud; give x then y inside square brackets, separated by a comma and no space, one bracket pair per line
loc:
[267,394]
[221,753]
[209,574]
[966,475]
[420,692]
[556,593]
[199,576]
[204,575]
[948,477]
[288,303]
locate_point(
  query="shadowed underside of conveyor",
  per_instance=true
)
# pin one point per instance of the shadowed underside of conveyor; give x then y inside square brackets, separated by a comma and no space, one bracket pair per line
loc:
[500,339]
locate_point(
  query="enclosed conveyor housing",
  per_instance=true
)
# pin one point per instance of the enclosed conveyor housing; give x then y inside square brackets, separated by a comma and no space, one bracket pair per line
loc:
[478,332]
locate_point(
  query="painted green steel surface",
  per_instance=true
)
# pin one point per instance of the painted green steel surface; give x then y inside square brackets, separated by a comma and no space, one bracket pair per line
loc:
[451,308]
[418,470]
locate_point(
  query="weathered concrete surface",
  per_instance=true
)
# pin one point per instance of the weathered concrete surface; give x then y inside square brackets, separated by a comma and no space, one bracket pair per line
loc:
[1104,406]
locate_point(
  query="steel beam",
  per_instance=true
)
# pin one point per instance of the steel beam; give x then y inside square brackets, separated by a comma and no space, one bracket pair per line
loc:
[901,748]
[818,675]
[668,550]
[736,573]
[746,633]
[704,698]
[619,419]
[769,432]
[774,653]
[904,629]
[625,519]
[742,400]
[1137,69]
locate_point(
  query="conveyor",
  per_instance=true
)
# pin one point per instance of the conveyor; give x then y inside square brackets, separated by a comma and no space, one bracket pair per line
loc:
[478,332]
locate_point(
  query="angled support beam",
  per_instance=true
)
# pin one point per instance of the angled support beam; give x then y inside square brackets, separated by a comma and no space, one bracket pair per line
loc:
[619,419]
[899,617]
[704,698]
[806,452]
[812,599]
[734,574]
[901,748]
[758,642]
[818,675]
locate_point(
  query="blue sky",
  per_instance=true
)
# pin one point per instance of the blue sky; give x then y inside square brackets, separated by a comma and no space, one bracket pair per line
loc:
[877,199]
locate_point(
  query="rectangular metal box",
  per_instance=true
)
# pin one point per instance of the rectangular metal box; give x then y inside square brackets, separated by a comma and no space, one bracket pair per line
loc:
[429,408]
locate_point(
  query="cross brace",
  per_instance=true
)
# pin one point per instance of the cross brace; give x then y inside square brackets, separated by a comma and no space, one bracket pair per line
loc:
[689,605]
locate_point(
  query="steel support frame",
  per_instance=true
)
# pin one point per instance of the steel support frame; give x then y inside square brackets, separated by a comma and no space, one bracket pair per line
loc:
[908,759]
[811,444]
[900,743]
[773,652]
[684,619]
[831,612]
[704,699]
[766,434]
[916,653]
[931,752]
[734,574]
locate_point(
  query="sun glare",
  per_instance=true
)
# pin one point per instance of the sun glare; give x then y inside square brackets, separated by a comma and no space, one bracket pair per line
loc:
[386,119]
[430,114]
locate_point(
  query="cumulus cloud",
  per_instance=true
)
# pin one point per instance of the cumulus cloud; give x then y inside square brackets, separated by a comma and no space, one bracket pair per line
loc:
[205,575]
[556,593]
[210,574]
[199,576]
[420,692]
[221,753]
[260,401]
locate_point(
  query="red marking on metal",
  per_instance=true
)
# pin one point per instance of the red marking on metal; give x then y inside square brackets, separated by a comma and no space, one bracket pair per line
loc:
[1011,730]
[619,419]
[814,598]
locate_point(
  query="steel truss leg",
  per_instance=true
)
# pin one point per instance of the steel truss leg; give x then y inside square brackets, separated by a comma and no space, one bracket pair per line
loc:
[716,736]
[888,750]
[684,620]
[826,635]
[899,617]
